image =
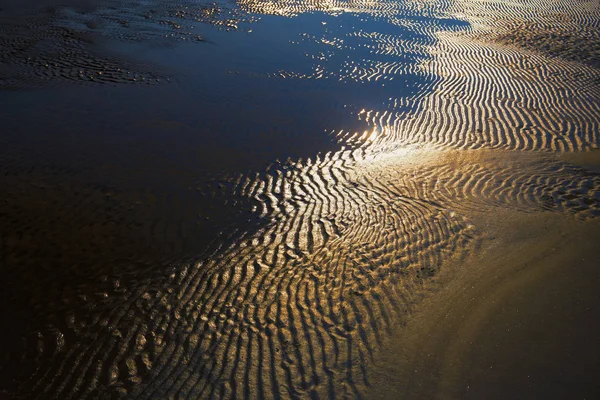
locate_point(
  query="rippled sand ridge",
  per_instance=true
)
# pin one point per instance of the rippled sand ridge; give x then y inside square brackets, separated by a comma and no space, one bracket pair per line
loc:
[250,199]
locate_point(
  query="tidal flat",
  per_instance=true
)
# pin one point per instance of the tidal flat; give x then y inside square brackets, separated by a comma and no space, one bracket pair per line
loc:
[299,199]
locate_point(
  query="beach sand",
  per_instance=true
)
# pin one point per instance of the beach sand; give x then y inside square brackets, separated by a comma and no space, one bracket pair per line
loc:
[297,199]
[517,320]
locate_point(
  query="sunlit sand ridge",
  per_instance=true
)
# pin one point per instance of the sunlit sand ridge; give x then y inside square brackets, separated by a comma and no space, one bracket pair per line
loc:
[490,93]
[348,240]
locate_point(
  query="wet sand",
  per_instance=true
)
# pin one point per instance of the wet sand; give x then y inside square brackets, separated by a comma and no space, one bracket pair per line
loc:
[292,199]
[518,320]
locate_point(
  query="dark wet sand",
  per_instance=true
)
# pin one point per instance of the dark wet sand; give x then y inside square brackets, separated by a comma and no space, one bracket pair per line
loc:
[519,320]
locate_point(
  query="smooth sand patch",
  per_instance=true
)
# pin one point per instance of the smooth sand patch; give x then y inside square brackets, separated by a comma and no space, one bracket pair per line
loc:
[520,320]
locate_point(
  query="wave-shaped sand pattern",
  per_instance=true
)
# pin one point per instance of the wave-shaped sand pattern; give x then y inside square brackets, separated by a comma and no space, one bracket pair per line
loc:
[296,309]
[376,9]
[569,30]
[469,181]
[497,98]
[34,53]
[473,91]
[301,307]
[347,240]
[73,247]
[152,22]
[57,45]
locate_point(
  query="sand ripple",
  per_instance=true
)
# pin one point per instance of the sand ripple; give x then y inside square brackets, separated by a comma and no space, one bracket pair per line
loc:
[67,44]
[345,242]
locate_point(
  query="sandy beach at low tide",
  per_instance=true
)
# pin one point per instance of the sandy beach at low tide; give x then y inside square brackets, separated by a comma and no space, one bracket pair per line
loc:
[297,199]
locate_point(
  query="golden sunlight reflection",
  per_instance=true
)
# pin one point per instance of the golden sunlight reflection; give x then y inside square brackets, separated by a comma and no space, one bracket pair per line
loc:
[267,223]
[295,7]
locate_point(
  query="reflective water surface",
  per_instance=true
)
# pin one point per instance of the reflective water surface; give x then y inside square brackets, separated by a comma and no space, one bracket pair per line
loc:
[297,199]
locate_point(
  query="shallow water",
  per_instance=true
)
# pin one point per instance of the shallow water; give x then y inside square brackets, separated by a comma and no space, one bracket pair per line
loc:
[248,199]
